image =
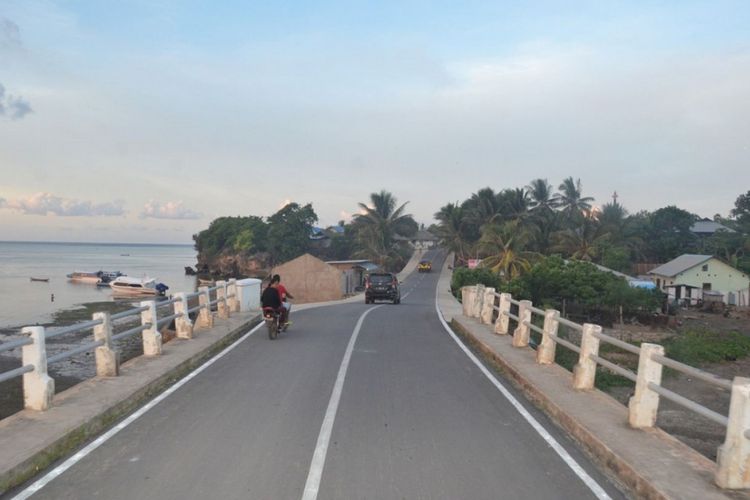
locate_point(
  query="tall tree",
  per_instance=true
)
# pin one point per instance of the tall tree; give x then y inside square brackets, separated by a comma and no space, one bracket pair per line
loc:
[542,198]
[505,247]
[289,232]
[451,230]
[571,200]
[583,242]
[378,225]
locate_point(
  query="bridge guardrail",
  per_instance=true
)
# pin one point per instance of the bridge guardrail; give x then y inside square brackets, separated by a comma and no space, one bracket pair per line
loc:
[38,386]
[733,462]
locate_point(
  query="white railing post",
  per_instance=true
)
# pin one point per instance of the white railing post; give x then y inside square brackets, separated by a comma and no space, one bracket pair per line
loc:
[107,359]
[502,323]
[584,372]
[182,323]
[205,318]
[545,353]
[151,335]
[476,310]
[234,301]
[38,387]
[467,299]
[522,332]
[733,459]
[221,296]
[644,404]
[488,306]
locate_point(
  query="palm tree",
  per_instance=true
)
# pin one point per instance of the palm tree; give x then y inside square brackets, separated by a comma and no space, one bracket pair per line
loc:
[482,208]
[505,246]
[540,192]
[452,230]
[569,198]
[378,225]
[581,243]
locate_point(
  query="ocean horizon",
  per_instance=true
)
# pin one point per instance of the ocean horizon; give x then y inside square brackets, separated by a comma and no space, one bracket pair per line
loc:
[24,302]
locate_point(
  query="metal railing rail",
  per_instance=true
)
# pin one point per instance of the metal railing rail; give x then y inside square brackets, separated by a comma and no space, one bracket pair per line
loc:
[129,312]
[16,372]
[131,331]
[8,346]
[90,346]
[643,407]
[73,328]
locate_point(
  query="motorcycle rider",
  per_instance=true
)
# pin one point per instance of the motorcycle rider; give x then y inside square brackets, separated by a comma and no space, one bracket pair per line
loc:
[271,298]
[283,294]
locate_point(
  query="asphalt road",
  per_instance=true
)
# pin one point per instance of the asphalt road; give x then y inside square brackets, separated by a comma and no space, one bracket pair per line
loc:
[407,416]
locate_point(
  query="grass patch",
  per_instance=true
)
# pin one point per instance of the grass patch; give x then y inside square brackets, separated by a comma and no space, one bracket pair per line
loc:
[697,347]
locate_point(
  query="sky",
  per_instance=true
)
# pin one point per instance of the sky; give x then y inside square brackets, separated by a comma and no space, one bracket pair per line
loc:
[143,120]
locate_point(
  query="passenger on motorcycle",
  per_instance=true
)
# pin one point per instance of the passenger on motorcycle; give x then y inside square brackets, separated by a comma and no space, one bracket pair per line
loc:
[271,298]
[284,294]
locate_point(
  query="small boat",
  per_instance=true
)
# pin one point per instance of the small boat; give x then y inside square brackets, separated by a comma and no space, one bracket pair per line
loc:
[43,280]
[202,282]
[84,277]
[127,285]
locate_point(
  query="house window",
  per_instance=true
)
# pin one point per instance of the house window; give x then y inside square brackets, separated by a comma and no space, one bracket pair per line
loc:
[707,286]
[705,267]
[658,283]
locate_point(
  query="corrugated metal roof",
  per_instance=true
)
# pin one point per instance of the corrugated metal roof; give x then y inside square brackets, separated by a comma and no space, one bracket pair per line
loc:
[681,263]
[708,227]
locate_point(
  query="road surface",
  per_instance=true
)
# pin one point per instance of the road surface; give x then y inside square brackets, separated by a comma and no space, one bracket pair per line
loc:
[355,401]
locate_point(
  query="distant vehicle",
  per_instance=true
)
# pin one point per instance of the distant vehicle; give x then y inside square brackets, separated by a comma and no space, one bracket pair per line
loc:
[127,285]
[382,286]
[424,266]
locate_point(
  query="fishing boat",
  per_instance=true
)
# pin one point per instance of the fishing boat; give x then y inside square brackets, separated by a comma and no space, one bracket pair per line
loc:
[126,285]
[84,277]
[43,280]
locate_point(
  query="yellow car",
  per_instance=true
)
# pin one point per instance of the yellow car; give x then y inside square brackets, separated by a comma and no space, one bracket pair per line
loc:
[425,266]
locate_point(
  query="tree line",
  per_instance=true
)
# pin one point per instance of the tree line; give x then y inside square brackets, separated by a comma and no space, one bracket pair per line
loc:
[376,233]
[511,228]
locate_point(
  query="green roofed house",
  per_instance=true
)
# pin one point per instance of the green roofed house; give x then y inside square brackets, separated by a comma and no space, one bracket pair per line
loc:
[688,277]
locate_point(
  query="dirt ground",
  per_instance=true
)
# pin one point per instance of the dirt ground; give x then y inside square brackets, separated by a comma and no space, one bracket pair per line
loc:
[692,429]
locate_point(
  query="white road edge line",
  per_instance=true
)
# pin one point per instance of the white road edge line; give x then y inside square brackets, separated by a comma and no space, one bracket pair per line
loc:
[590,482]
[312,485]
[42,482]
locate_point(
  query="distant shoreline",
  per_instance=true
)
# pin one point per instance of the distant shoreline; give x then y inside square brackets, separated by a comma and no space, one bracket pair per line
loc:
[94,243]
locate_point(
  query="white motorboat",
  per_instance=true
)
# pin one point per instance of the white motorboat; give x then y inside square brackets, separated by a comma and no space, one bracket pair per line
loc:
[134,286]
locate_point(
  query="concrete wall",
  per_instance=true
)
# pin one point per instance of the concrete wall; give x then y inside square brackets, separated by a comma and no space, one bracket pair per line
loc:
[309,279]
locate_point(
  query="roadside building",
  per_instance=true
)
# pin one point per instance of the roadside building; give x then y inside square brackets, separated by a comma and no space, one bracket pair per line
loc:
[309,279]
[688,277]
[354,272]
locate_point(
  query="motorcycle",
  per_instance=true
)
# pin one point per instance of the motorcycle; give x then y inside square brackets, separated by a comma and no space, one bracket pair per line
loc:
[272,317]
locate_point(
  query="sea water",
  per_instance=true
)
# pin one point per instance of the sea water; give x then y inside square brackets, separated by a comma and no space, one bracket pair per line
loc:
[25,302]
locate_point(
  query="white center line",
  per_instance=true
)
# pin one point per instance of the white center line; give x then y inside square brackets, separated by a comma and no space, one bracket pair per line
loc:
[312,485]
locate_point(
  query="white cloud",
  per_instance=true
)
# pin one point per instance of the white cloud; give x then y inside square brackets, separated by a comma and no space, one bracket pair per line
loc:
[49,204]
[169,210]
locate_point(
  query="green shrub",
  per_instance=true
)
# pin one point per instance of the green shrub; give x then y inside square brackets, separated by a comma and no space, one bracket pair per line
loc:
[463,276]
[697,347]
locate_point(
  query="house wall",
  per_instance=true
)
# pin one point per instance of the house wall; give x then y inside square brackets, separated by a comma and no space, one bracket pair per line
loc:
[723,278]
[310,279]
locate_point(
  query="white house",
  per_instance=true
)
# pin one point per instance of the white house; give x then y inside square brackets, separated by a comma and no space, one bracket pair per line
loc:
[689,275]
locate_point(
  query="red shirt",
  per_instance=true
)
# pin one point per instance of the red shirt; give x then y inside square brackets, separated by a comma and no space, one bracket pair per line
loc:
[282,292]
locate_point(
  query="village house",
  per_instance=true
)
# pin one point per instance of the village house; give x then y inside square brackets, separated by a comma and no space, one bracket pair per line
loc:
[688,277]
[309,279]
[354,272]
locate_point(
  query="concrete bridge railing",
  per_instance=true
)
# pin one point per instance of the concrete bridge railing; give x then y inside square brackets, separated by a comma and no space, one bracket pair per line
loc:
[733,461]
[39,387]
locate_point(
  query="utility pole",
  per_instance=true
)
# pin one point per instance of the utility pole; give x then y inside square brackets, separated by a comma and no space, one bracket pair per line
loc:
[615,196]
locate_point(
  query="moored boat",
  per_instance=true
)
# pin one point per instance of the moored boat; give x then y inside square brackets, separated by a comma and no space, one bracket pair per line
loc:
[44,280]
[84,277]
[127,285]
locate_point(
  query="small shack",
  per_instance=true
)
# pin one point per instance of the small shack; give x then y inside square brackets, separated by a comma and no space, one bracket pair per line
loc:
[309,279]
[354,272]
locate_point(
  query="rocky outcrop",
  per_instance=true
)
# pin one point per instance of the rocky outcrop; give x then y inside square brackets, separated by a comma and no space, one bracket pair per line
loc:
[234,265]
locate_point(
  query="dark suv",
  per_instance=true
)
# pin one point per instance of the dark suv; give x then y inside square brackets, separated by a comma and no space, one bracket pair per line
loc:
[382,286]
